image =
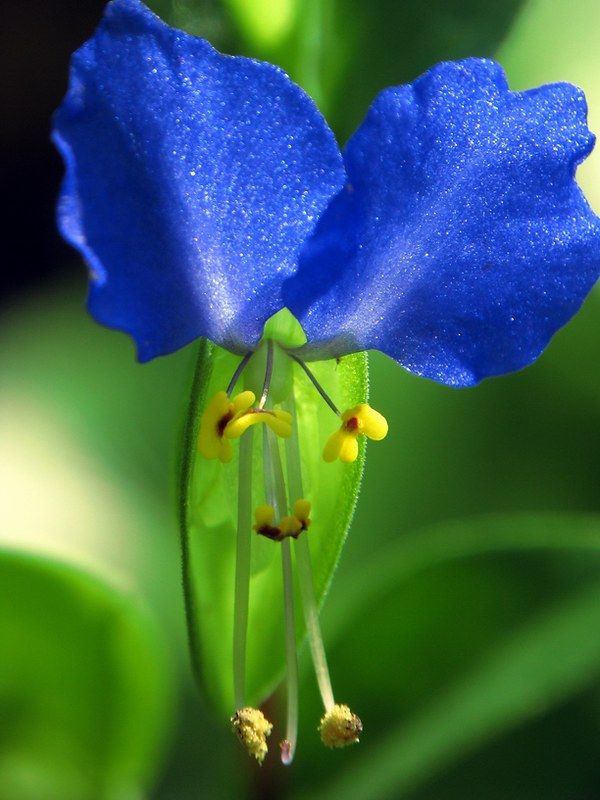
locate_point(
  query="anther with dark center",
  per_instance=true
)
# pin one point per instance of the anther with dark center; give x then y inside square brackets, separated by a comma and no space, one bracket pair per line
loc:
[351,424]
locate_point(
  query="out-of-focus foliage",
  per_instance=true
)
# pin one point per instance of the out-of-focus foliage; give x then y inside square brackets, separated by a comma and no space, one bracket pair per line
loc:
[84,688]
[469,648]
[504,682]
[553,41]
[345,51]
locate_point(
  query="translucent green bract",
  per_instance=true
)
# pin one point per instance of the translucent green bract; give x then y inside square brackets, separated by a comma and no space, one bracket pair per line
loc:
[208,508]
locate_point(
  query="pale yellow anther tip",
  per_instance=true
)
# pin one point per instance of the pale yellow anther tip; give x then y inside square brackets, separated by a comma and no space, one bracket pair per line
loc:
[339,727]
[243,400]
[302,510]
[290,526]
[252,729]
[264,515]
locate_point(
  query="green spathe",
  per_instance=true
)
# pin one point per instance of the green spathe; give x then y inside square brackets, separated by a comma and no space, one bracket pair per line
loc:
[208,517]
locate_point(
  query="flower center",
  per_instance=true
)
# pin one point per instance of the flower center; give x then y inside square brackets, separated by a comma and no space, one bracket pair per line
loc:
[270,471]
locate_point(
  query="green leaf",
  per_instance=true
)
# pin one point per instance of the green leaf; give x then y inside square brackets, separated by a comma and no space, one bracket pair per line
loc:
[418,550]
[208,523]
[85,692]
[551,656]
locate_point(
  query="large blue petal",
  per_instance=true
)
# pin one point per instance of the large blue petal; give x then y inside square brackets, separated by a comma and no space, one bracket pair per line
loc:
[461,242]
[192,180]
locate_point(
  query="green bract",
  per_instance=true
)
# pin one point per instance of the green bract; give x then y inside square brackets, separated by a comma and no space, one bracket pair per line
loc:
[209,517]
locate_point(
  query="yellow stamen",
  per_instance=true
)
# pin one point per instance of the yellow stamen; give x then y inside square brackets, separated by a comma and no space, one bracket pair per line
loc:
[302,512]
[357,421]
[264,515]
[339,727]
[289,526]
[217,415]
[252,728]
[280,422]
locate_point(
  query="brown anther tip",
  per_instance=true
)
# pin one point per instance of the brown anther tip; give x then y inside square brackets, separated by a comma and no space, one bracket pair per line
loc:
[352,424]
[270,532]
[286,752]
[339,727]
[223,422]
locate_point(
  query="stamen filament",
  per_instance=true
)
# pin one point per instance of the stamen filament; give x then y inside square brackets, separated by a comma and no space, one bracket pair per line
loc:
[268,375]
[236,375]
[316,384]
[242,569]
[303,562]
[276,496]
[287,752]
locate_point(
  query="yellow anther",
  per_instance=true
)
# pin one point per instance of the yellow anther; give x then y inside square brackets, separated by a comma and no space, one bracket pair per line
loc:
[280,422]
[357,421]
[243,401]
[252,729]
[339,727]
[290,526]
[217,415]
[341,445]
[264,515]
[302,513]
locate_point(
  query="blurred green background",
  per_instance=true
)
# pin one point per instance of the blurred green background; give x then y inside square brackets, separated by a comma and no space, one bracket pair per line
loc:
[464,621]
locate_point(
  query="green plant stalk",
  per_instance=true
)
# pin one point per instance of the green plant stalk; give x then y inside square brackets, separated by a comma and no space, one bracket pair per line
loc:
[242,569]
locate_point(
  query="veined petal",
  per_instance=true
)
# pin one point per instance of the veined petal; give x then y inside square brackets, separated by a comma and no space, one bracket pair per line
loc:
[461,241]
[192,180]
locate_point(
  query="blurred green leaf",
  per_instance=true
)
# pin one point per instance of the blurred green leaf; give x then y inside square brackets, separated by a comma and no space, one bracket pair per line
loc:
[514,679]
[91,435]
[343,52]
[553,41]
[209,518]
[265,23]
[85,690]
[450,541]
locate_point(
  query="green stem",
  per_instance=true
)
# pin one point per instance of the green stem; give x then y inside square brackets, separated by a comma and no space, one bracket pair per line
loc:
[303,562]
[238,372]
[316,384]
[242,569]
[290,654]
[276,496]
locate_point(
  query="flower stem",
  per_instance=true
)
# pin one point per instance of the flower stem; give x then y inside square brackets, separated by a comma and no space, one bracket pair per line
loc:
[303,562]
[236,375]
[268,375]
[276,496]
[310,375]
[290,654]
[242,569]
[311,618]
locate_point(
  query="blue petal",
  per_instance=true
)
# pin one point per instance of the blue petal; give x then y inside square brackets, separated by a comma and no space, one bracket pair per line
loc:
[461,242]
[192,181]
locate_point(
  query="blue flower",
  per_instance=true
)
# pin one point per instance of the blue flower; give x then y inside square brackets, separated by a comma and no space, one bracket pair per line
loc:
[207,193]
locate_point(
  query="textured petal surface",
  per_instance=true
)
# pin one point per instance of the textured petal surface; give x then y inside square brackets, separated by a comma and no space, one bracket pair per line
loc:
[461,242]
[192,180]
